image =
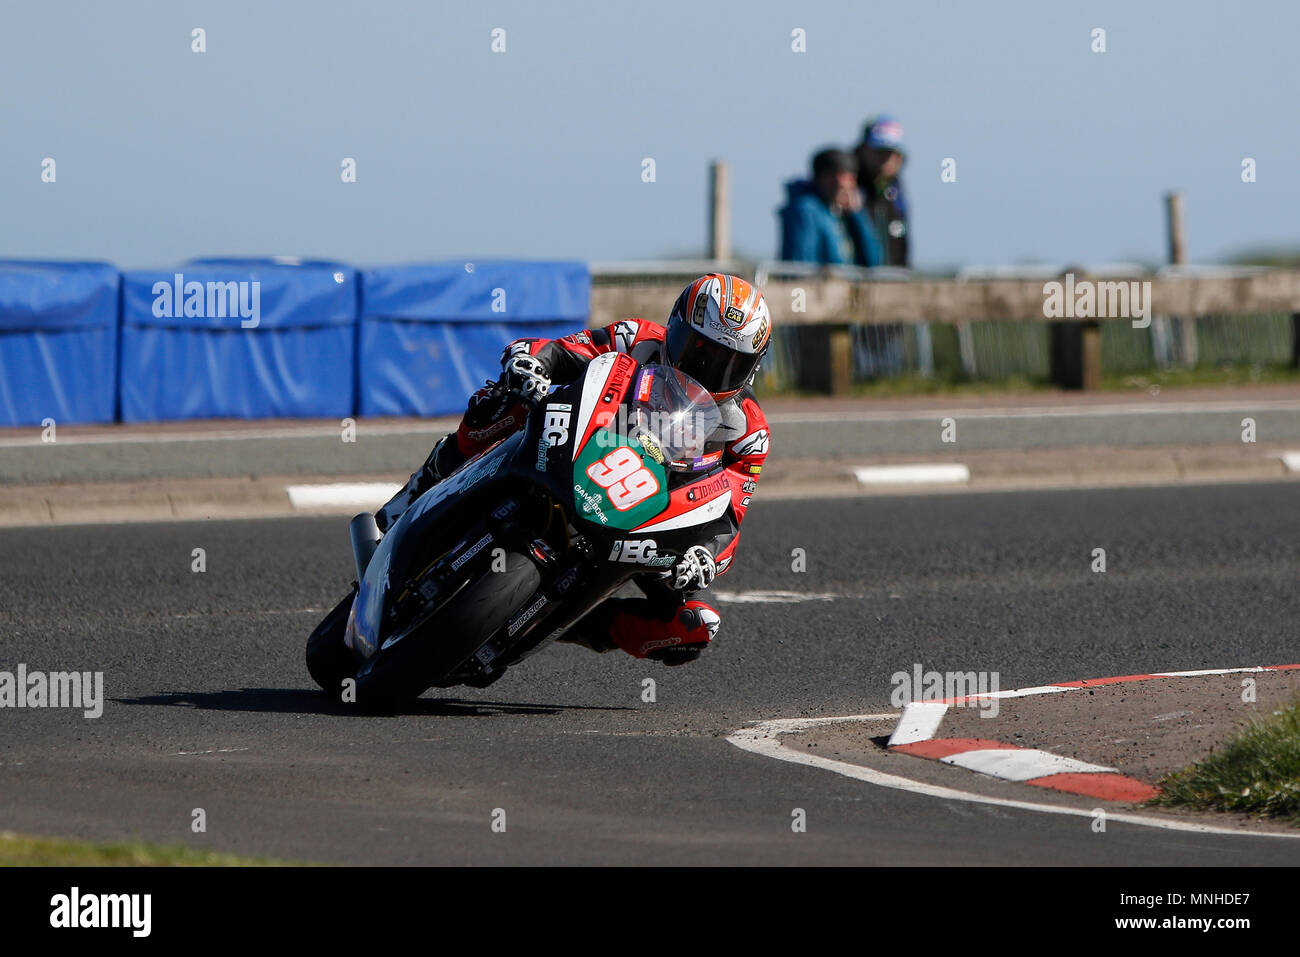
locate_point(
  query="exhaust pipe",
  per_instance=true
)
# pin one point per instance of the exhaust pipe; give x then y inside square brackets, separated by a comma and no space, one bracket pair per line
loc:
[365,539]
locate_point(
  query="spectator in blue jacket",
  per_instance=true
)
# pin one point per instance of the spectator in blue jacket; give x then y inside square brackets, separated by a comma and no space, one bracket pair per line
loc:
[880,159]
[823,219]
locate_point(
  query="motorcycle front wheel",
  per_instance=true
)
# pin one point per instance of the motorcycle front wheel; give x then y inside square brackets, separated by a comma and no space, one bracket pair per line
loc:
[420,660]
[329,660]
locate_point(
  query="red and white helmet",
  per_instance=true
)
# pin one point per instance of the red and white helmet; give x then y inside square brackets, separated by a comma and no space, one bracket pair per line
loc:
[718,331]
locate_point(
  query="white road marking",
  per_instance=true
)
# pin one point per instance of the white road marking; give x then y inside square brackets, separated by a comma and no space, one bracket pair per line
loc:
[367,495]
[1024,692]
[1060,689]
[213,751]
[906,474]
[771,597]
[764,738]
[919,722]
[1020,764]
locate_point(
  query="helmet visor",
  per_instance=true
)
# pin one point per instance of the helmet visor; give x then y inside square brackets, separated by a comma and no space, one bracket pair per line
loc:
[711,364]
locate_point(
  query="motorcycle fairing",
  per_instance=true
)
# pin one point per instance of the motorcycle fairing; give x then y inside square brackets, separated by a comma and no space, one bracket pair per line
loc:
[392,558]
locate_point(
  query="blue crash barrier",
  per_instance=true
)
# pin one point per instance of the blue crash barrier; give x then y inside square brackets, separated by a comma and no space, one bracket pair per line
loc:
[431,334]
[239,339]
[58,342]
[251,338]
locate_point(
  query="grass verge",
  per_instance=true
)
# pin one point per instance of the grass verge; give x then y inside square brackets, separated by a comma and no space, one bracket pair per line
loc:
[1257,772]
[20,850]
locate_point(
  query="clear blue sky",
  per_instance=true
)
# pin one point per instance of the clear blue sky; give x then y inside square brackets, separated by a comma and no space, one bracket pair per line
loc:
[1062,154]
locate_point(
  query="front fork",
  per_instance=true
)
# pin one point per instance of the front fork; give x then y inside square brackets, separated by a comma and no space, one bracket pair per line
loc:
[365,540]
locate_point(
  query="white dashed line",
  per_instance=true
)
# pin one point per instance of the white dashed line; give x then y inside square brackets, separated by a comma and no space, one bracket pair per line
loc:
[771,597]
[910,474]
[367,495]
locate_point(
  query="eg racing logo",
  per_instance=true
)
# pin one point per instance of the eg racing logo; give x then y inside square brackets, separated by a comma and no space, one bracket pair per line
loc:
[555,431]
[640,551]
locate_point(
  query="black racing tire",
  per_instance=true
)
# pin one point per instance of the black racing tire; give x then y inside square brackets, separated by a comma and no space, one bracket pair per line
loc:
[329,660]
[421,660]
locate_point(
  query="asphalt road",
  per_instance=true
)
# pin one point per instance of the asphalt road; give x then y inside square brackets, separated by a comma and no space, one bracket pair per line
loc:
[210,705]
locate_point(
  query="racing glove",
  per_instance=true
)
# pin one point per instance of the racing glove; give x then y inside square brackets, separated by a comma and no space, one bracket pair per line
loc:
[694,570]
[525,377]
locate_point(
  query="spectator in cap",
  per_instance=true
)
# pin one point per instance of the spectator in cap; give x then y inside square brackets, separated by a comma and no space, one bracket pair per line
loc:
[880,155]
[880,159]
[823,219]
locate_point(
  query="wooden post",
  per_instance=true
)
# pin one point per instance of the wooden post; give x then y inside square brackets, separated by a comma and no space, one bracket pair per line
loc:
[1185,329]
[825,359]
[841,360]
[1074,350]
[1174,217]
[719,212]
[1073,346]
[1090,380]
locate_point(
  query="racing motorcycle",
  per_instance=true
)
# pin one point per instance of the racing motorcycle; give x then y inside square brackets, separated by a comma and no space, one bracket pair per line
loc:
[608,480]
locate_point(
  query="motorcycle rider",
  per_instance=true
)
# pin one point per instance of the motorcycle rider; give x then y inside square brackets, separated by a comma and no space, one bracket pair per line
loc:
[717,333]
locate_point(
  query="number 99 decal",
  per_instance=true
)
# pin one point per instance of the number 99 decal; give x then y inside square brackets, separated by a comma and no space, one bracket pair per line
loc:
[625,480]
